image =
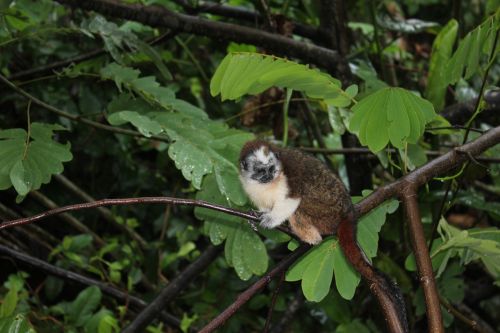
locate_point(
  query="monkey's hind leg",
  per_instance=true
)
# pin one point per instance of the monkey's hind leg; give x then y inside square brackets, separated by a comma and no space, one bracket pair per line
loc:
[304,229]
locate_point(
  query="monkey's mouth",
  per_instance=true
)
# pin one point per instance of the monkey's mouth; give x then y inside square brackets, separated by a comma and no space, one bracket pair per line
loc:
[265,178]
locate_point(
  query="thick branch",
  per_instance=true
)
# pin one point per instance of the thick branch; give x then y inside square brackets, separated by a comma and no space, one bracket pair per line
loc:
[162,17]
[423,259]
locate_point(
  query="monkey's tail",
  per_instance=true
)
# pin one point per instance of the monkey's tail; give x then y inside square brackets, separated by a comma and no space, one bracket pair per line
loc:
[385,290]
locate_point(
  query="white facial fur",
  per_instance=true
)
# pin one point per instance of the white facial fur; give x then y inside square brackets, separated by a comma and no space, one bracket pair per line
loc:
[270,195]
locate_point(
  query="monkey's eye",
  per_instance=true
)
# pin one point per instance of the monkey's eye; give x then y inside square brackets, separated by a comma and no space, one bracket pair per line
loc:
[244,165]
[272,168]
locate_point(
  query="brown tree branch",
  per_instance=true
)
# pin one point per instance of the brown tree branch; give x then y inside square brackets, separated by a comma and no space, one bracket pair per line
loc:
[424,264]
[363,151]
[128,201]
[245,296]
[398,188]
[105,212]
[162,17]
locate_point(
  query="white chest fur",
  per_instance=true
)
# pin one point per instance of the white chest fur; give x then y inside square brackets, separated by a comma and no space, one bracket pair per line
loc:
[265,196]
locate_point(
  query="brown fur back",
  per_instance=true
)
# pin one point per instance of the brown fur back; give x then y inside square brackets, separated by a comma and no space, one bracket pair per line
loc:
[324,198]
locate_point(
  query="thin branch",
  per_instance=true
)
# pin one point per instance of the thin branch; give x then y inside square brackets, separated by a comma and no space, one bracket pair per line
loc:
[161,17]
[273,303]
[245,296]
[180,282]
[66,275]
[361,151]
[50,68]
[423,260]
[105,212]
[289,314]
[80,119]
[473,324]
[45,201]
[128,201]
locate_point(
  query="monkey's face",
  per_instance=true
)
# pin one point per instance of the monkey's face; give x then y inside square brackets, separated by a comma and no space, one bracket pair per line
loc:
[261,165]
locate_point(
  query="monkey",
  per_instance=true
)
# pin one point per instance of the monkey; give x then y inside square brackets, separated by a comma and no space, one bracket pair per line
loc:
[287,184]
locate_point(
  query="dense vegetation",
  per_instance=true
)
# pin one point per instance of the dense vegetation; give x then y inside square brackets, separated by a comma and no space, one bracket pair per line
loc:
[105,99]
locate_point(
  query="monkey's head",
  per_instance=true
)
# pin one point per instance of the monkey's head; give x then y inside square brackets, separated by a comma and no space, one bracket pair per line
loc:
[259,162]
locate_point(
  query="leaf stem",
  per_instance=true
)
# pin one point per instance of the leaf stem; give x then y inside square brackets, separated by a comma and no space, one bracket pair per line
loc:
[285,115]
[29,130]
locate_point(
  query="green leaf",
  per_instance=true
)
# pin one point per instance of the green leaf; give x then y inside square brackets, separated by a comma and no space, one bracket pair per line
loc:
[317,277]
[244,249]
[354,326]
[102,321]
[317,267]
[27,167]
[143,124]
[15,324]
[441,52]
[81,309]
[390,115]
[476,44]
[9,303]
[252,73]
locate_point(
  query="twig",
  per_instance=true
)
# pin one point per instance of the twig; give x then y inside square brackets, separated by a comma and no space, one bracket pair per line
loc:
[273,303]
[50,68]
[361,151]
[180,282]
[128,201]
[290,311]
[473,324]
[70,116]
[83,280]
[255,288]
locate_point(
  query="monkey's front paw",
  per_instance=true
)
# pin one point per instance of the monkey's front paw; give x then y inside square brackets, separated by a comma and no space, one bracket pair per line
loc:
[267,221]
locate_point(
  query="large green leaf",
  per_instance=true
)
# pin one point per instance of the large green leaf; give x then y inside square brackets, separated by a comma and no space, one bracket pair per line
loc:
[244,249]
[441,52]
[252,73]
[475,45]
[199,145]
[317,267]
[27,164]
[392,115]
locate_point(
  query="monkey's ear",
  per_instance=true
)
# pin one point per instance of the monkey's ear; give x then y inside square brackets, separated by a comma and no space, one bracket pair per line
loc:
[244,165]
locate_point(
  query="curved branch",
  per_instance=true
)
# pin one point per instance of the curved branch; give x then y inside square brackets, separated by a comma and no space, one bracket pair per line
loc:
[162,17]
[128,201]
